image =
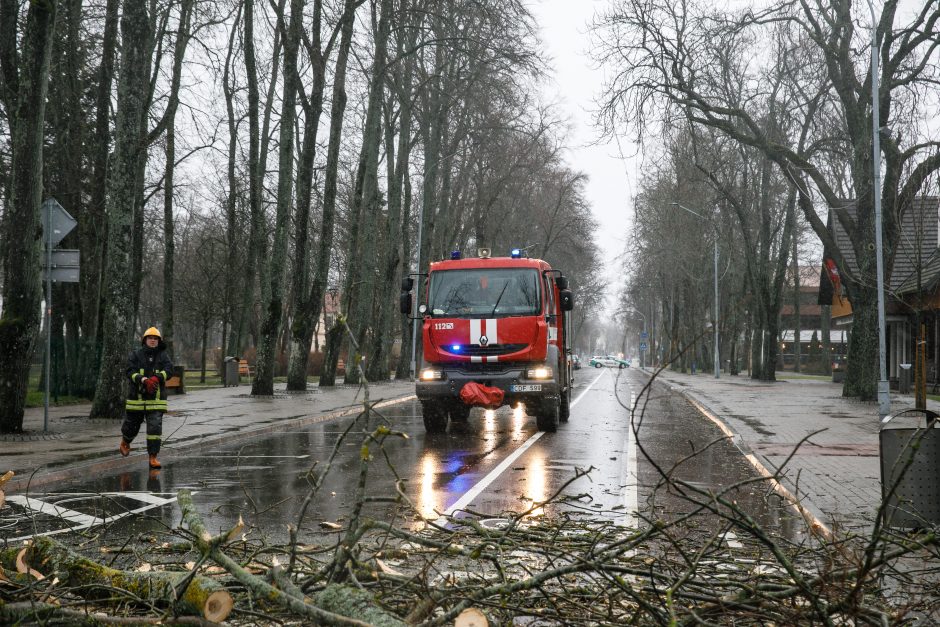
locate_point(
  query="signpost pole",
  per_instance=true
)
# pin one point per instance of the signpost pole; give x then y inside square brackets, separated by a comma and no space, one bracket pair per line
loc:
[58,224]
[45,413]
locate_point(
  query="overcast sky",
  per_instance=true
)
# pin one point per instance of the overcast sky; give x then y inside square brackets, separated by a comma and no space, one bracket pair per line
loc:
[611,167]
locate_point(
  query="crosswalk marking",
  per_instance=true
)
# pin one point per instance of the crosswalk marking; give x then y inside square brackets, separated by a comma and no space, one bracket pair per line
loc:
[77,521]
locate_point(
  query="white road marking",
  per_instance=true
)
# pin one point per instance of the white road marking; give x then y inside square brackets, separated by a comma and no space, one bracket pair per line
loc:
[629,478]
[254,456]
[79,521]
[732,540]
[481,485]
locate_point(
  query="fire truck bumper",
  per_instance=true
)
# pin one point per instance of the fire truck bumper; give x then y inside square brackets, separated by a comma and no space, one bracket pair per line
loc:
[515,386]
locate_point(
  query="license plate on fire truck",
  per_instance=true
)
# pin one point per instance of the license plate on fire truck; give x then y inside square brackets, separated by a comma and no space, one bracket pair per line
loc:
[526,388]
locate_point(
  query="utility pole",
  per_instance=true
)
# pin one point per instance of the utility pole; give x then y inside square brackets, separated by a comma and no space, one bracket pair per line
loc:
[717,360]
[884,396]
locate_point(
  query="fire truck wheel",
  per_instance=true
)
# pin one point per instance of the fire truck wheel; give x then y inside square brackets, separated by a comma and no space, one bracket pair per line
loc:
[564,411]
[435,418]
[547,418]
[460,413]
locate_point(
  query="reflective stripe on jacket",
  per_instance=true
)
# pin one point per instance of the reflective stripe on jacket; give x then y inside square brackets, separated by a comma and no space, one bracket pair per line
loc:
[144,363]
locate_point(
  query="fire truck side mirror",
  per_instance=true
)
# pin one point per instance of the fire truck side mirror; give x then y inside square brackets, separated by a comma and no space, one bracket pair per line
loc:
[407,284]
[404,302]
[567,300]
[561,282]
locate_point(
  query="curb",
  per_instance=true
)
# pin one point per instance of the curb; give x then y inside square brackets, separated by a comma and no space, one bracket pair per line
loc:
[113,461]
[809,514]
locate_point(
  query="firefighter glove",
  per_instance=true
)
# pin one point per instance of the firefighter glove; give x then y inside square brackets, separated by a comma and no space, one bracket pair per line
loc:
[151,384]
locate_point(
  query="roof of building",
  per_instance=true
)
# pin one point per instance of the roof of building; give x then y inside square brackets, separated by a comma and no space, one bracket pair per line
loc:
[917,247]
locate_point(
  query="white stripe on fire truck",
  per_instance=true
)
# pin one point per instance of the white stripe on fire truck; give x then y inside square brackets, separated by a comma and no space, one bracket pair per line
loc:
[475,340]
[492,336]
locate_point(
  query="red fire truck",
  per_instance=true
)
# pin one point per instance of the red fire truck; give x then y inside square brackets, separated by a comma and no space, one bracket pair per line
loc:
[500,324]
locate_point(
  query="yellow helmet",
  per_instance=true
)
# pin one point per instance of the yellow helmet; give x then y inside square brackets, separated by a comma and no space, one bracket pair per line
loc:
[154,331]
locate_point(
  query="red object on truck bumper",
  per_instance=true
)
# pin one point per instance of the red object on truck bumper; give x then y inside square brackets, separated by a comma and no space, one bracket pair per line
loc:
[479,395]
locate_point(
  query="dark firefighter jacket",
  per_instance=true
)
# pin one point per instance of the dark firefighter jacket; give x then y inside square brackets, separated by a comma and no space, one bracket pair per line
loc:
[146,362]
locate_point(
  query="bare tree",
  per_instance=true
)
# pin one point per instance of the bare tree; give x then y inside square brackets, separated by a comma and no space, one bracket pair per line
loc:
[119,295]
[263,383]
[23,88]
[666,58]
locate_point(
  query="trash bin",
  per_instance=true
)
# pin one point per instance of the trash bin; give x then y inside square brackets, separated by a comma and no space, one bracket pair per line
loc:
[904,379]
[230,372]
[909,445]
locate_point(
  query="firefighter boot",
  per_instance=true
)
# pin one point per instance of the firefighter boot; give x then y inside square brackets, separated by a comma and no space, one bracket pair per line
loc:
[125,447]
[155,463]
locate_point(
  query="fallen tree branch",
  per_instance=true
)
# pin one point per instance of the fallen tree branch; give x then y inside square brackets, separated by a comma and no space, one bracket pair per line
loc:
[202,597]
[261,589]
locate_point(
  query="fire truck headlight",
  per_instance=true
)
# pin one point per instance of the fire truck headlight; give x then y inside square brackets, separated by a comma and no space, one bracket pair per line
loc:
[541,372]
[431,375]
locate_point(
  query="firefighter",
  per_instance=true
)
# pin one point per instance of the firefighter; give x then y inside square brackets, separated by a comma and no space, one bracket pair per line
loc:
[147,371]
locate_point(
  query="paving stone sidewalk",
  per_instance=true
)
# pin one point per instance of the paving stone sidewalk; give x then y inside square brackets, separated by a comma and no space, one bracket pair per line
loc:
[836,472]
[75,446]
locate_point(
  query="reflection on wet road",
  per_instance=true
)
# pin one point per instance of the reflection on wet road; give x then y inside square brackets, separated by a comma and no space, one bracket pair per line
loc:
[496,462]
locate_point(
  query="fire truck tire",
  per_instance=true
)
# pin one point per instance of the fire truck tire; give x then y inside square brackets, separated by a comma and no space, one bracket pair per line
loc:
[435,418]
[564,410]
[547,417]
[460,413]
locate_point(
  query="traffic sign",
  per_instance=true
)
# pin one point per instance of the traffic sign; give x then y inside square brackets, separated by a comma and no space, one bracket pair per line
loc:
[644,347]
[644,335]
[62,222]
[65,265]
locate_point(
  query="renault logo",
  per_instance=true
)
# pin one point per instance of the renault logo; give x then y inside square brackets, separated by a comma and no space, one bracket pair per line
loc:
[484,340]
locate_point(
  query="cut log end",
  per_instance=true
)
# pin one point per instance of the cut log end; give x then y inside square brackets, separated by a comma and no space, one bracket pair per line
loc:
[218,606]
[471,617]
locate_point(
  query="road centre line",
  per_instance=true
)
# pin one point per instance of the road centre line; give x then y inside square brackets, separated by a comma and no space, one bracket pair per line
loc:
[481,485]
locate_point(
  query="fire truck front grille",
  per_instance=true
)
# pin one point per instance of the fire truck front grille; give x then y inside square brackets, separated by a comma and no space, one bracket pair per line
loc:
[486,351]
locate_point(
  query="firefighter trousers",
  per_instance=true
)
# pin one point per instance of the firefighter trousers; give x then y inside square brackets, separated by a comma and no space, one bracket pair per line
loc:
[131,427]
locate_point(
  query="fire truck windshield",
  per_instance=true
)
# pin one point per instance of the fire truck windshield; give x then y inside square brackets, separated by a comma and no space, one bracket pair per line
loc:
[484,293]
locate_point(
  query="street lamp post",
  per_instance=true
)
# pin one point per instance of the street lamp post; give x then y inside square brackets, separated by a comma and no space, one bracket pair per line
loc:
[884,397]
[715,321]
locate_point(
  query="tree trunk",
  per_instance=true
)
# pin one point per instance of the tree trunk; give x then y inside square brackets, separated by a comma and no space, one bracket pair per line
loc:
[302,327]
[92,226]
[230,345]
[861,375]
[369,209]
[119,296]
[403,369]
[396,170]
[257,265]
[63,172]
[321,275]
[19,324]
[202,347]
[273,305]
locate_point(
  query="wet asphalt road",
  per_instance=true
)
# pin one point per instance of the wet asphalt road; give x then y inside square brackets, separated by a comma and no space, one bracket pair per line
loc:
[495,463]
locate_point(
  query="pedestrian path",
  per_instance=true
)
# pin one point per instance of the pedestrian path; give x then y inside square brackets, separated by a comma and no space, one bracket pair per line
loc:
[826,445]
[76,446]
